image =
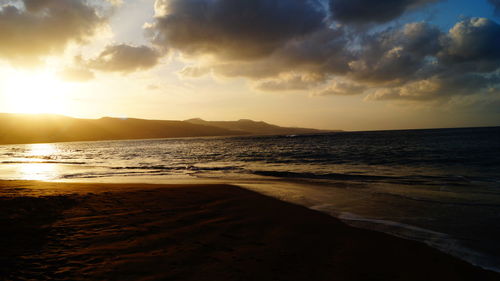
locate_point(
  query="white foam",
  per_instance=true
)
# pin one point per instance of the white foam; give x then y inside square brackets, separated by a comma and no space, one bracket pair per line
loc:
[314,198]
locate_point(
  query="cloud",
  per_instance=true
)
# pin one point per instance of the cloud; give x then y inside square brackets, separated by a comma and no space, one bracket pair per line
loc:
[341,88]
[370,11]
[33,29]
[465,61]
[290,82]
[320,53]
[268,39]
[305,45]
[496,4]
[440,87]
[396,55]
[474,45]
[233,29]
[124,58]
[421,63]
[255,39]
[194,71]
[116,2]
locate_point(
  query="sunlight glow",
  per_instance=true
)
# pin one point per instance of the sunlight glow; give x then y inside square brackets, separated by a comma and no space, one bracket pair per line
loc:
[42,150]
[36,92]
[39,170]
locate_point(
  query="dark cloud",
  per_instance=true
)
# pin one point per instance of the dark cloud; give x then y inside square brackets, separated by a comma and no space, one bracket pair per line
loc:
[234,29]
[473,45]
[321,52]
[416,62]
[496,4]
[465,61]
[33,29]
[36,5]
[370,11]
[318,54]
[124,58]
[292,45]
[396,55]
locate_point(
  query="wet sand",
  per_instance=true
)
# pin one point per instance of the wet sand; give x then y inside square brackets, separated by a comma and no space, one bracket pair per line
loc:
[63,231]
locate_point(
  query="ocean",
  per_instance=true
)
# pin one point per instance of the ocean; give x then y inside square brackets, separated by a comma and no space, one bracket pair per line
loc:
[440,187]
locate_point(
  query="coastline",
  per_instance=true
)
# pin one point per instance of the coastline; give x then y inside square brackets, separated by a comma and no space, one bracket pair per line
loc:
[94,231]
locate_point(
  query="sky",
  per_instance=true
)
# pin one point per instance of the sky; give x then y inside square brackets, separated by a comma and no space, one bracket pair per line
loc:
[329,64]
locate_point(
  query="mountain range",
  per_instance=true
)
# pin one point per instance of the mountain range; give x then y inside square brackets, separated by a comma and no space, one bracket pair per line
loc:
[45,128]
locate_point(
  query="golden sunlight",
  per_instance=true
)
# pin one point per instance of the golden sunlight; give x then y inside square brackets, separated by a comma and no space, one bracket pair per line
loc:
[42,150]
[36,92]
[39,170]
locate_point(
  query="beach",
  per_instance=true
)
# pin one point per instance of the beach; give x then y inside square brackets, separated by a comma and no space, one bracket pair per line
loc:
[249,140]
[94,231]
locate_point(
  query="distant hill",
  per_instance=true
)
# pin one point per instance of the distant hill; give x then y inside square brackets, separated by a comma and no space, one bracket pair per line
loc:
[44,128]
[20,128]
[254,127]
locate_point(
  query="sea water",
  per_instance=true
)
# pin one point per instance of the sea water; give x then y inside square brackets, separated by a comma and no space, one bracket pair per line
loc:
[440,187]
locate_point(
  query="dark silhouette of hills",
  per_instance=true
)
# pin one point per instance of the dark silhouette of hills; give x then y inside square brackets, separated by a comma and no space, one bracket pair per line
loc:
[20,128]
[254,127]
[44,128]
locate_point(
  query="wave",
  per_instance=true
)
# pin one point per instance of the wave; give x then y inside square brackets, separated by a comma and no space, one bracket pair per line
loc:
[106,175]
[178,168]
[44,162]
[441,201]
[332,176]
[440,241]
[154,170]
[428,180]
[320,199]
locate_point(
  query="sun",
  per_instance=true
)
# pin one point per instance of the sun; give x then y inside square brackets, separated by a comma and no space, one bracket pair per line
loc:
[35,92]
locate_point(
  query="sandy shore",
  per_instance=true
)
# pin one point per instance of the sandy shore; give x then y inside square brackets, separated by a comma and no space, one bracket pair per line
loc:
[62,231]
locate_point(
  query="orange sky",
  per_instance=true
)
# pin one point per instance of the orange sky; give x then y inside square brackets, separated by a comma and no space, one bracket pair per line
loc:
[130,58]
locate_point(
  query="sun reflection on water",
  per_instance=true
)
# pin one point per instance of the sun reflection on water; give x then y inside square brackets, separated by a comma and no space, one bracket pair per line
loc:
[37,169]
[41,150]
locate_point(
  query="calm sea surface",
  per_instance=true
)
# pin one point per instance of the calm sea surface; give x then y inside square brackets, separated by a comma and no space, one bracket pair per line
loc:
[440,187]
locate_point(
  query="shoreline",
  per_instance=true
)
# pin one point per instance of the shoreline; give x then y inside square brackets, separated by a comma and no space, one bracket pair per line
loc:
[110,231]
[303,194]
